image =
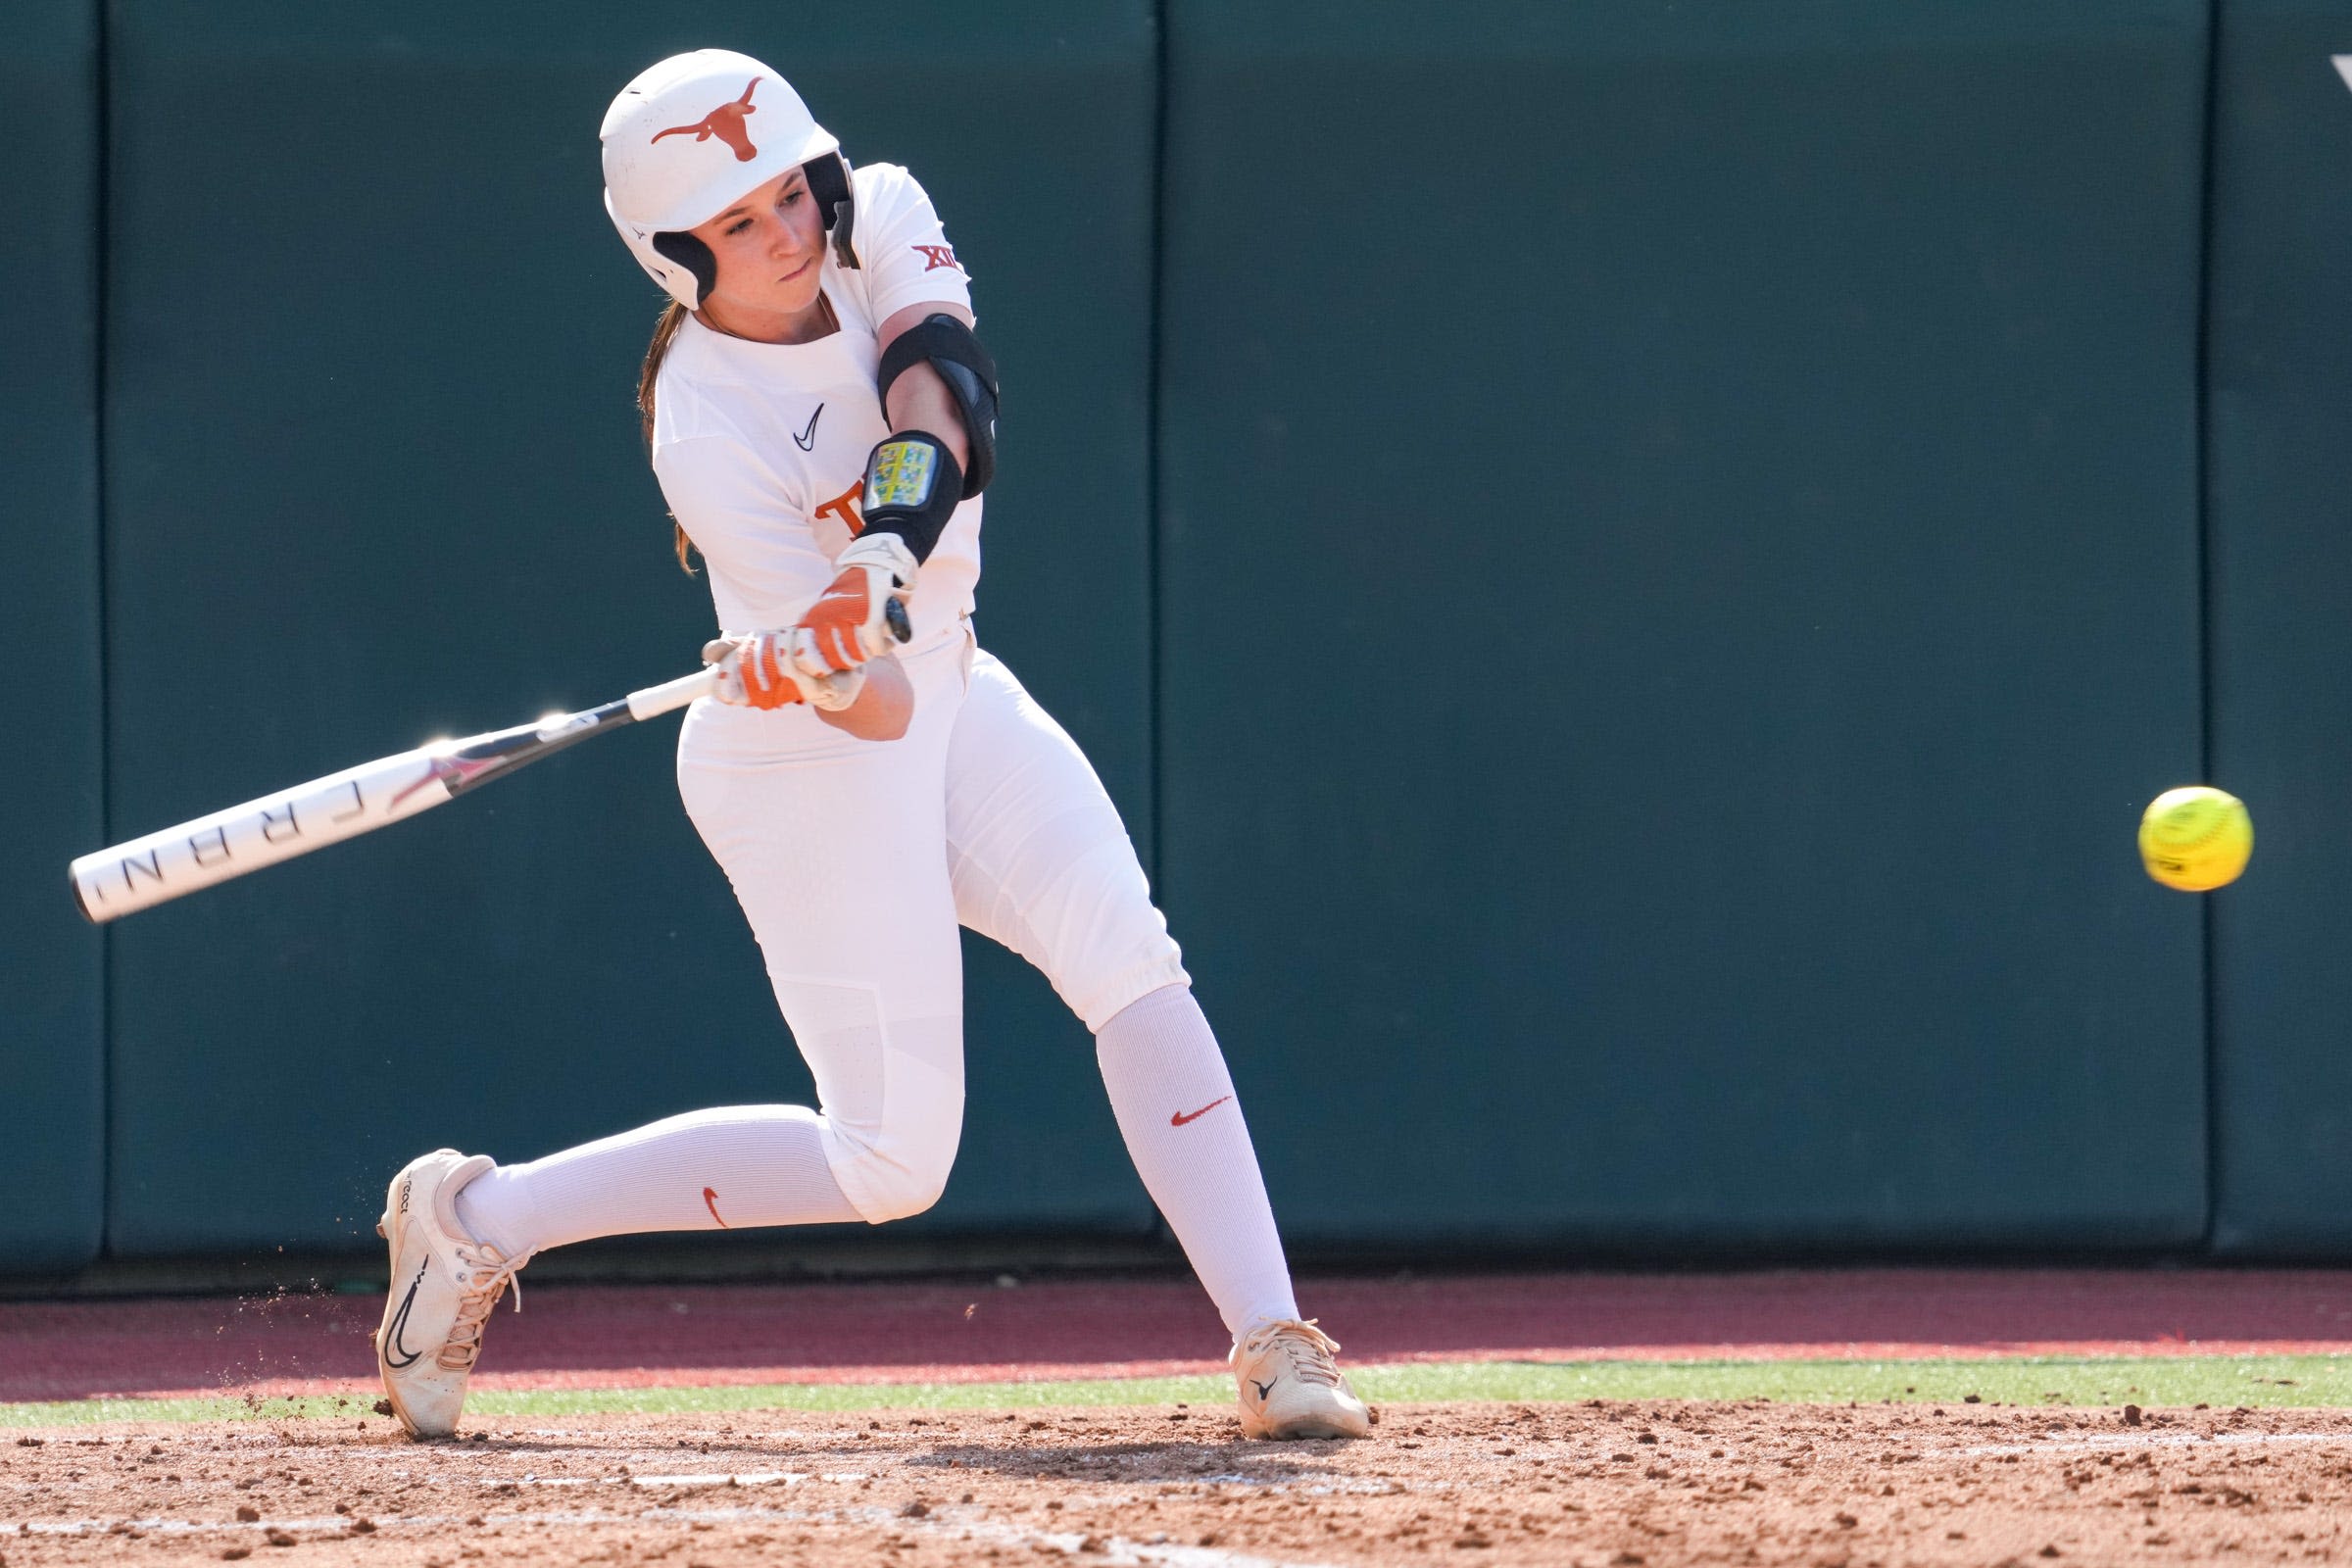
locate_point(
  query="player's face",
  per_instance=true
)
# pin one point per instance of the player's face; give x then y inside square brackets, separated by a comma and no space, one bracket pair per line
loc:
[771,247]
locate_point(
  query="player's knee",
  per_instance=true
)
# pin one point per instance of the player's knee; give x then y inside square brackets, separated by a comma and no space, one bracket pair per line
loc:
[909,1194]
[886,1185]
[893,1110]
[900,1168]
[1105,942]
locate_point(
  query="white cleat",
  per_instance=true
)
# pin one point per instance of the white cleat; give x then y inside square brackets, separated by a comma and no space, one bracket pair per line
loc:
[444,1283]
[1290,1386]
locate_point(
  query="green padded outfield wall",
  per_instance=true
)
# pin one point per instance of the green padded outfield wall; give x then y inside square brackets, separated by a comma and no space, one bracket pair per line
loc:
[373,475]
[1803,401]
[1724,480]
[2280,476]
[52,1052]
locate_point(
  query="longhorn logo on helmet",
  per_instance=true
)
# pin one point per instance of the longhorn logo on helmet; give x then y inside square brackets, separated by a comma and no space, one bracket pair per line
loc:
[726,124]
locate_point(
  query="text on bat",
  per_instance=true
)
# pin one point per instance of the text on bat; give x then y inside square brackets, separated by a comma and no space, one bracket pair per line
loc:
[277,830]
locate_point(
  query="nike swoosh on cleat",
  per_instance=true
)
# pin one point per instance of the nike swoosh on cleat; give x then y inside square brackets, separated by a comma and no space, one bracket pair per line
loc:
[1181,1117]
[711,1203]
[400,1355]
[807,439]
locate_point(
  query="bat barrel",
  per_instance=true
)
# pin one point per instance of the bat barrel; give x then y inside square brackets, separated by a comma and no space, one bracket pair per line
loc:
[142,872]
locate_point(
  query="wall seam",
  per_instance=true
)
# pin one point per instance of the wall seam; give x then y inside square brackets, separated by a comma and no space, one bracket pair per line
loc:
[2202,448]
[102,235]
[1155,730]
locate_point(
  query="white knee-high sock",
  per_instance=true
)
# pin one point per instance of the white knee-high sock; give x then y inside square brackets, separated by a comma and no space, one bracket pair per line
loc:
[731,1169]
[1183,1129]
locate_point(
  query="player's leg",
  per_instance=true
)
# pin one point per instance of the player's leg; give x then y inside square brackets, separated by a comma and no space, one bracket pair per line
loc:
[835,855]
[730,1167]
[1041,863]
[847,890]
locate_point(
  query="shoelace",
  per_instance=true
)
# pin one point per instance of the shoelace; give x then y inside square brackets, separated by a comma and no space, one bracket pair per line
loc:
[1307,1348]
[489,1273]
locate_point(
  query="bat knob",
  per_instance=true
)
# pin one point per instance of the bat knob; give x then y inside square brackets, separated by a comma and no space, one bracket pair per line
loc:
[894,615]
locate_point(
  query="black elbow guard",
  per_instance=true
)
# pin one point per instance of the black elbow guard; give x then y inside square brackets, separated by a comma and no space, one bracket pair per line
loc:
[949,347]
[911,489]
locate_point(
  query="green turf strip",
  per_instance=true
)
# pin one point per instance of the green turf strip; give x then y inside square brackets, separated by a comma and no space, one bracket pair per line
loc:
[2155,1381]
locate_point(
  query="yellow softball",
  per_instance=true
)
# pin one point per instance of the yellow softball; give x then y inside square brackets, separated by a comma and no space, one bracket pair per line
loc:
[2196,837]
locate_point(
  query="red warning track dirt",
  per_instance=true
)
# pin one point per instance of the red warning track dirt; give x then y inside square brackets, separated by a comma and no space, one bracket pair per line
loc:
[572,1336]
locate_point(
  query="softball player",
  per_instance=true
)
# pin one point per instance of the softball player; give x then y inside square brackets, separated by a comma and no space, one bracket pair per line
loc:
[822,420]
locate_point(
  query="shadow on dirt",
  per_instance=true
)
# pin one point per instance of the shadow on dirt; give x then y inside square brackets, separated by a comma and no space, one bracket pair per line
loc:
[1235,1462]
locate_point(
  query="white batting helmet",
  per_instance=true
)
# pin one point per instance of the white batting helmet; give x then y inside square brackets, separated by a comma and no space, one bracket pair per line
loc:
[692,134]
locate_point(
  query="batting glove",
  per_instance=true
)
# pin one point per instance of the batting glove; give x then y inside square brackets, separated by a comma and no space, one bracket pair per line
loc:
[756,671]
[852,622]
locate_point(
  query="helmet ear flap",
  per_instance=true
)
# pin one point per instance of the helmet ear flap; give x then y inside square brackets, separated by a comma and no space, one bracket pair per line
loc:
[829,183]
[684,250]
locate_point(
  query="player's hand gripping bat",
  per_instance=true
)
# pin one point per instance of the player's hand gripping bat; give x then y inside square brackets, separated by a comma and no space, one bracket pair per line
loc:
[146,871]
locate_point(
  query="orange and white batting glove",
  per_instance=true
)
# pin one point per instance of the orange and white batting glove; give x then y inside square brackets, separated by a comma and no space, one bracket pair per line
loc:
[758,672]
[852,622]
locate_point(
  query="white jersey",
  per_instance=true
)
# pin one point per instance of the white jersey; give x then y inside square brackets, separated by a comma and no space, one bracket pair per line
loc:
[760,448]
[856,860]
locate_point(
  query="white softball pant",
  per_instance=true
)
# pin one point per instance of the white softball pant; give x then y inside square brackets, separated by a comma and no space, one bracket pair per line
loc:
[856,860]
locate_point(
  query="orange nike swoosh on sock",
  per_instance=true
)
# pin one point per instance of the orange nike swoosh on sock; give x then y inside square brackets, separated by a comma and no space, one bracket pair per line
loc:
[1180,1118]
[711,1203]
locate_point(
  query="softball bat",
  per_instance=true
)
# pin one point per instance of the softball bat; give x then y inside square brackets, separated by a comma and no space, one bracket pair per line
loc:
[142,872]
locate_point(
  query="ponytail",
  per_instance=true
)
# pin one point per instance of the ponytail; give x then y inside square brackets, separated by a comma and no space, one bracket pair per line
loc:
[664,330]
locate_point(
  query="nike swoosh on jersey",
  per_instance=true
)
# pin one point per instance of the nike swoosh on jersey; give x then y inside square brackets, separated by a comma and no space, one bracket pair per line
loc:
[400,1355]
[1181,1117]
[807,439]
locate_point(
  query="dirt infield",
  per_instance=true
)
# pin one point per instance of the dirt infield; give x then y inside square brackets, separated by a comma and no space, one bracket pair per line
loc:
[1601,1482]
[577,1336]
[1597,1484]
